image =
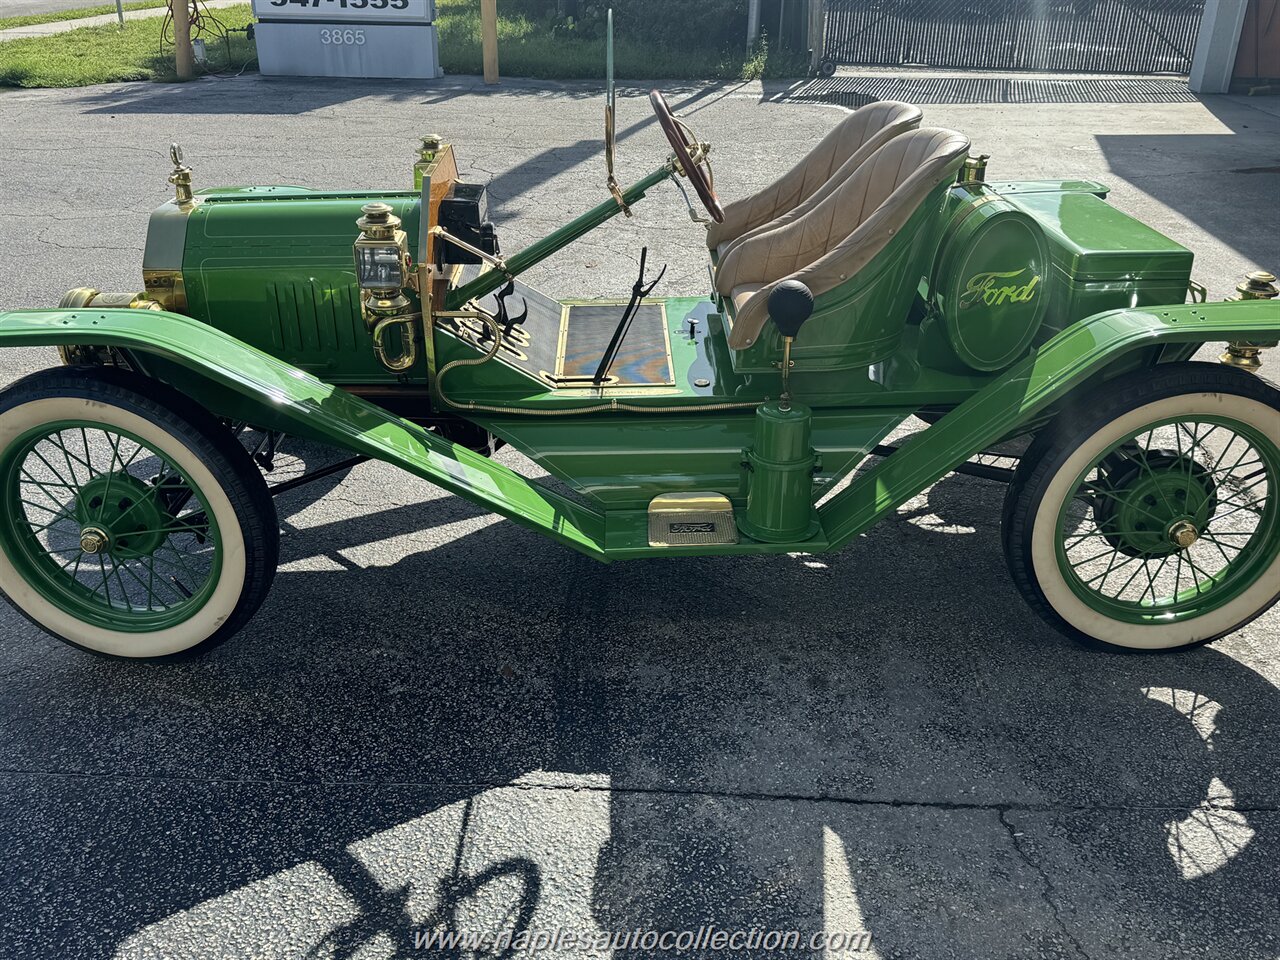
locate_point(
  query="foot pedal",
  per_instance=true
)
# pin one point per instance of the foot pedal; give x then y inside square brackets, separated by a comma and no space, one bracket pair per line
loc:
[691,519]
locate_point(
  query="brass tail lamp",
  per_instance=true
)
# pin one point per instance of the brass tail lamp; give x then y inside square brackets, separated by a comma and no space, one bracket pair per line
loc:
[382,271]
[1247,354]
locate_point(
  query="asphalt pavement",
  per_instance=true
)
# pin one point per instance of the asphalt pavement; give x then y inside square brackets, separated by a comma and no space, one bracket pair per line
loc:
[441,721]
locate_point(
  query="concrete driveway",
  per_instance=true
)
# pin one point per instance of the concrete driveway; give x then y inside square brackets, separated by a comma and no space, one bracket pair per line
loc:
[440,721]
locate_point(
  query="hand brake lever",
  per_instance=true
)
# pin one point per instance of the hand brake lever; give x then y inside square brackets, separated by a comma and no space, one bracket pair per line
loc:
[639,291]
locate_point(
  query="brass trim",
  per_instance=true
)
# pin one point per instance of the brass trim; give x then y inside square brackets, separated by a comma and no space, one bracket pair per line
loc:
[691,519]
[426,303]
[1183,534]
[180,178]
[1259,285]
[94,540]
[83,297]
[610,143]
[562,343]
[496,262]
[694,502]
[576,386]
[560,377]
[1247,354]
[77,299]
[1243,356]
[167,288]
[613,405]
[974,170]
[408,354]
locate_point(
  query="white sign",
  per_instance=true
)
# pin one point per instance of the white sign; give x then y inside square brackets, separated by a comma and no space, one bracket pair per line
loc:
[345,48]
[346,11]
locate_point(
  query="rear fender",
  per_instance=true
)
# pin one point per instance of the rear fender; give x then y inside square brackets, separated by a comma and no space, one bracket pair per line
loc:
[1046,377]
[228,375]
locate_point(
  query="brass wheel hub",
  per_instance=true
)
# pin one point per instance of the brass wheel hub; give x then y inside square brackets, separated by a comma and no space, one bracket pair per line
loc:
[1183,534]
[94,540]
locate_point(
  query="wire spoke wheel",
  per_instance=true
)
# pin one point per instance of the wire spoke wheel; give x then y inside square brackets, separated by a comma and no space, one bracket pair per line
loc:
[108,527]
[1151,519]
[133,523]
[1179,516]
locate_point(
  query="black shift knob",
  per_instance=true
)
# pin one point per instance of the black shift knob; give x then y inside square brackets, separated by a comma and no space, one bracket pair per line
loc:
[790,305]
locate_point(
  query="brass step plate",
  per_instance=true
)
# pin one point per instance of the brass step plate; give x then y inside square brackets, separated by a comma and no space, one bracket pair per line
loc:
[691,519]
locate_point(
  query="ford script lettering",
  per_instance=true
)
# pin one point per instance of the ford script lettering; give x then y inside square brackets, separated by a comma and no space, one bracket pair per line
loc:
[994,289]
[688,527]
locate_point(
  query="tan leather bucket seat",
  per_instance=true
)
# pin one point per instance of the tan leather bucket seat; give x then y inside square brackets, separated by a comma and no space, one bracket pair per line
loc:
[835,239]
[836,156]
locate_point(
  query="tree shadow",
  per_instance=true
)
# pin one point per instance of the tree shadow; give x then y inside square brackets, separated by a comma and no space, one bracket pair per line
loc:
[265,96]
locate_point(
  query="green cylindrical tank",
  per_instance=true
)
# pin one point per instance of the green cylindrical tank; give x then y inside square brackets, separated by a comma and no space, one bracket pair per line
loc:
[780,482]
[990,288]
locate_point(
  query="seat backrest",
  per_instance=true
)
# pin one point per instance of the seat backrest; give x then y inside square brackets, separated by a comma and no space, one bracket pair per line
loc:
[838,236]
[842,150]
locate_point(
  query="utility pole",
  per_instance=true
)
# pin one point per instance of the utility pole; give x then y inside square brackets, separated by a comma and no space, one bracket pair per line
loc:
[753,22]
[817,33]
[183,55]
[120,12]
[489,35]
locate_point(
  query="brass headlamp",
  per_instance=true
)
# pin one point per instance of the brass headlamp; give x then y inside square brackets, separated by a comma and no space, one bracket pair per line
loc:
[382,273]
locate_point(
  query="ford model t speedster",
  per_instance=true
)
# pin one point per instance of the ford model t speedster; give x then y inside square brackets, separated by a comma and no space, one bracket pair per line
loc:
[884,277]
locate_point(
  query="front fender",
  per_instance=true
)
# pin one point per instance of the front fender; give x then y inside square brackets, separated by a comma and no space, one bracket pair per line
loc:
[294,401]
[1043,378]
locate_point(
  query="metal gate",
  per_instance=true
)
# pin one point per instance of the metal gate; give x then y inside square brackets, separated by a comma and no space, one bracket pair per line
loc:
[1061,36]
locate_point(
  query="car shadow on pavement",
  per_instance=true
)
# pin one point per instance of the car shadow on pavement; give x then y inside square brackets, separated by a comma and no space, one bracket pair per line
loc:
[488,734]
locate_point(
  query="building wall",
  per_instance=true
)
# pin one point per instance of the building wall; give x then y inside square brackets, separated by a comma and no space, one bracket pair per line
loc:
[1259,53]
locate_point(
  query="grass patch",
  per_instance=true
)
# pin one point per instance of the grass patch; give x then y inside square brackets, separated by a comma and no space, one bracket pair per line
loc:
[110,54]
[527,49]
[32,19]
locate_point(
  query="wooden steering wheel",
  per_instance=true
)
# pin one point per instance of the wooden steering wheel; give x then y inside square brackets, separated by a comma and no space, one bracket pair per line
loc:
[691,156]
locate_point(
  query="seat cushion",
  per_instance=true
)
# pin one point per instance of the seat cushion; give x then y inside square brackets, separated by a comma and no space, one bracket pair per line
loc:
[842,150]
[741,294]
[829,244]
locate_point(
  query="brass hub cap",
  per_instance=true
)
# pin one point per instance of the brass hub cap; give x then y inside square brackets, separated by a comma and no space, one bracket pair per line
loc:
[94,540]
[1183,534]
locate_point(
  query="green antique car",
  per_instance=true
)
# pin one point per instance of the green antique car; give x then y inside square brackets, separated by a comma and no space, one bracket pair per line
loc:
[884,277]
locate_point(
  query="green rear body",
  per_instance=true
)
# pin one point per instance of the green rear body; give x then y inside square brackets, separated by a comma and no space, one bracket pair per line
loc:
[918,327]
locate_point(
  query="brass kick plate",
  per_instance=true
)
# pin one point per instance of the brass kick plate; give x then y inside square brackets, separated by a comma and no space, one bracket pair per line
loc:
[691,519]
